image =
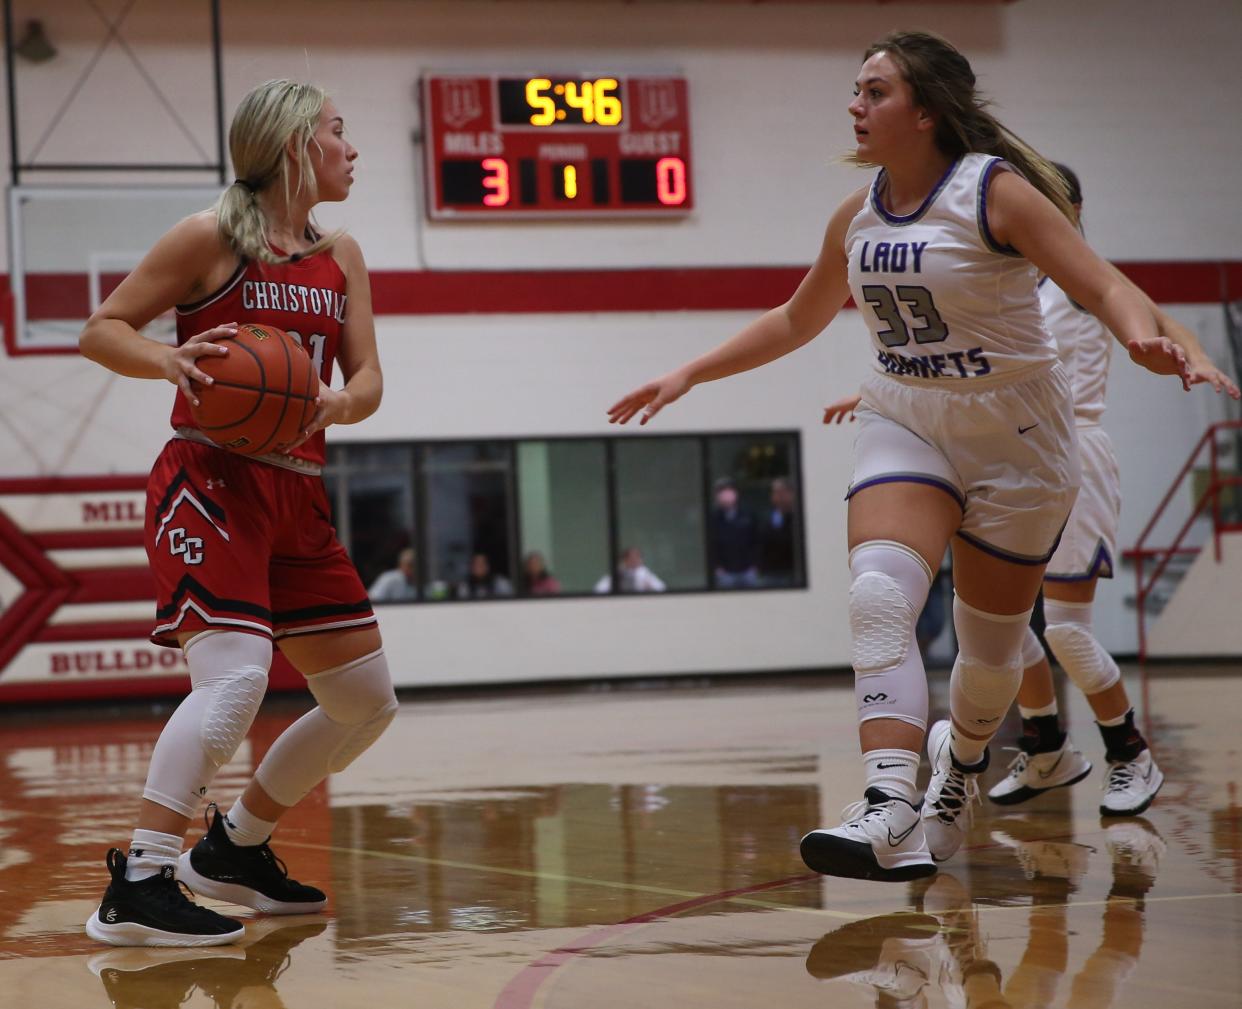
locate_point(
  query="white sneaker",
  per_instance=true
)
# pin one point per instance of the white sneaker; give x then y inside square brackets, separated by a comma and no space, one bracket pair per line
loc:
[949,797]
[1136,847]
[899,956]
[1131,785]
[1039,858]
[1032,773]
[880,838]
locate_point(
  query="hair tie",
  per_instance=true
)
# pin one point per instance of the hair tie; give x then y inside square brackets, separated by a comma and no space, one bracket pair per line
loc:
[248,186]
[295,257]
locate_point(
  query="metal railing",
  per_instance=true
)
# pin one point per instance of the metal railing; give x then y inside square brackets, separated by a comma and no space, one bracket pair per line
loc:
[1142,553]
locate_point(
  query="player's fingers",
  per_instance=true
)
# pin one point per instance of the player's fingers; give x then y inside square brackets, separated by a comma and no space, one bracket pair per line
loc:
[187,390]
[654,407]
[215,333]
[200,347]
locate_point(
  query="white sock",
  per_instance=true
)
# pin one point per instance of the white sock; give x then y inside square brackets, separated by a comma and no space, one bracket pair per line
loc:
[893,772]
[1047,709]
[149,852]
[245,829]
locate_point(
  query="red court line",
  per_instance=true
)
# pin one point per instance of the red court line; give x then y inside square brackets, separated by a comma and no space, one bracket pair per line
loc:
[520,992]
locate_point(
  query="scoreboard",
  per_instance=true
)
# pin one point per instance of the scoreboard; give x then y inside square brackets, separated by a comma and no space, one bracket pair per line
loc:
[556,145]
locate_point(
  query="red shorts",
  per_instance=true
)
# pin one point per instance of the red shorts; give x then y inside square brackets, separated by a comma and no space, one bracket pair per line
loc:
[242,545]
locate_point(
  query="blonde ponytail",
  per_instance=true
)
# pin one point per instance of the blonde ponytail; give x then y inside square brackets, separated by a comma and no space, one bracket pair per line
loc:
[265,121]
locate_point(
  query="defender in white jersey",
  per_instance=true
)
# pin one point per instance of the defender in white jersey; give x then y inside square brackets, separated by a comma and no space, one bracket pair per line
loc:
[969,425]
[1046,758]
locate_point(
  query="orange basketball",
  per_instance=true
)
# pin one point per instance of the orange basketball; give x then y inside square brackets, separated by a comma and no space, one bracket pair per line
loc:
[263,393]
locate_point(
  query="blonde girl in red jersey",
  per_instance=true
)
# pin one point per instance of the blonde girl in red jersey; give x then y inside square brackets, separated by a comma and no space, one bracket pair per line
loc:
[242,549]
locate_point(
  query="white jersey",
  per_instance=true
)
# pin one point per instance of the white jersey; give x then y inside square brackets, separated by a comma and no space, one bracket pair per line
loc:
[943,299]
[1084,346]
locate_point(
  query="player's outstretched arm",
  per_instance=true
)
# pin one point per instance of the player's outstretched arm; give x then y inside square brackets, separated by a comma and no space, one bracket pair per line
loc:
[774,334]
[842,409]
[170,274]
[1020,216]
[1201,367]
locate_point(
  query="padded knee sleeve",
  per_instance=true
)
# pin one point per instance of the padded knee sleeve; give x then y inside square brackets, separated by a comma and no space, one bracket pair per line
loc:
[988,670]
[1082,657]
[888,590]
[1032,650]
[228,678]
[356,705]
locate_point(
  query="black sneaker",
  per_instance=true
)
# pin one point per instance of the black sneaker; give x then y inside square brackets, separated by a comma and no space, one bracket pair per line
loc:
[157,978]
[155,912]
[249,875]
[238,984]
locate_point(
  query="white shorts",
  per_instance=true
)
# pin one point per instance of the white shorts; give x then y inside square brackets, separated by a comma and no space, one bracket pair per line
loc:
[1089,543]
[1004,448]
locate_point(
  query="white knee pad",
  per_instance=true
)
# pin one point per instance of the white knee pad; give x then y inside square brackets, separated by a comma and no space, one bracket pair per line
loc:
[1032,650]
[889,588]
[228,678]
[1082,657]
[356,705]
[988,670]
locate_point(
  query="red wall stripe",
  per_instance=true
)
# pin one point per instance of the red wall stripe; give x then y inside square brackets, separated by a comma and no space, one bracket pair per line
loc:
[707,288]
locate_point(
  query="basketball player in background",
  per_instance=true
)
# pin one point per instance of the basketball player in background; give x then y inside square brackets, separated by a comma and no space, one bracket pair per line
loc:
[967,430]
[242,549]
[1086,551]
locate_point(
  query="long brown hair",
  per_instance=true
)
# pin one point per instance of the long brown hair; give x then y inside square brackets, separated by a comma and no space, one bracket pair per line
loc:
[942,82]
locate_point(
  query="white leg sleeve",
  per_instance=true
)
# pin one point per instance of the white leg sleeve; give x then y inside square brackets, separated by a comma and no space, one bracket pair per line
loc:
[356,703]
[1032,650]
[1082,657]
[887,592]
[228,677]
[988,670]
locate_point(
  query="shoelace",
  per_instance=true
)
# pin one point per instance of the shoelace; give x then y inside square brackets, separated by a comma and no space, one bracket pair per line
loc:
[172,892]
[1120,777]
[958,793]
[1017,766]
[859,811]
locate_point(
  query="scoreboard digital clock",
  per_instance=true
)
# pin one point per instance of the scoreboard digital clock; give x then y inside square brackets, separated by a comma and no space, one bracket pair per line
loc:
[556,145]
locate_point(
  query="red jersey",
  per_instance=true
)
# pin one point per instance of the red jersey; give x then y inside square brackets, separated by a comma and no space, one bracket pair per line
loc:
[306,299]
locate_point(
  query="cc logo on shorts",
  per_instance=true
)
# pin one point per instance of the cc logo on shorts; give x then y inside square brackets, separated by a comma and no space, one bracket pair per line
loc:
[189,547]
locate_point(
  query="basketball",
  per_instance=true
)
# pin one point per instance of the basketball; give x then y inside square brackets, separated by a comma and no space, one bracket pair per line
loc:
[263,391]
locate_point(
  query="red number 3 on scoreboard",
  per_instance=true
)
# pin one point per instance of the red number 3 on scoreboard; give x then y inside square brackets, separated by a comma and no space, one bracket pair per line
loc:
[497,181]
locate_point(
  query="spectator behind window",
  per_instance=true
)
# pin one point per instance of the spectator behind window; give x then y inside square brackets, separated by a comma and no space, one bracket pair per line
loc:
[632,575]
[537,580]
[400,585]
[734,540]
[776,536]
[480,583]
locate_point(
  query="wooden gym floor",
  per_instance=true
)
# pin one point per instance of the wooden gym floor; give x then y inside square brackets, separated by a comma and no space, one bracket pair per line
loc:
[637,847]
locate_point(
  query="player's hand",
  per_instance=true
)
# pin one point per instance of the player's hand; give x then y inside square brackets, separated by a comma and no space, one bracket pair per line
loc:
[1201,369]
[841,409]
[1161,355]
[181,365]
[650,398]
[331,407]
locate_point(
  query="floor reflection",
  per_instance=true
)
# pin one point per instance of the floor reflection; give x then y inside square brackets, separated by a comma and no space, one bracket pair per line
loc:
[938,951]
[229,976]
